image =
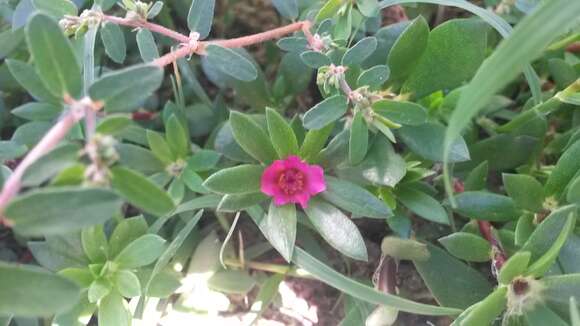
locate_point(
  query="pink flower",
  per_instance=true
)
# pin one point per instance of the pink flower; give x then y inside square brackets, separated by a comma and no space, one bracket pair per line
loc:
[292,181]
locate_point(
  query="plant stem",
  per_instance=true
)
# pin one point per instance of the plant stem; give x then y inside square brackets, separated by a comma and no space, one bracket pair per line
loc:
[47,143]
[499,255]
[150,26]
[266,267]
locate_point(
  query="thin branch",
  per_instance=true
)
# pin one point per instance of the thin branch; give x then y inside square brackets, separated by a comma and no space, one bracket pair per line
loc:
[148,25]
[46,144]
[499,257]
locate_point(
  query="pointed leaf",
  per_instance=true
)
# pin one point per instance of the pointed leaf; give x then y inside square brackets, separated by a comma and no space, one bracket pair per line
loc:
[114,42]
[251,137]
[141,252]
[325,112]
[282,135]
[240,179]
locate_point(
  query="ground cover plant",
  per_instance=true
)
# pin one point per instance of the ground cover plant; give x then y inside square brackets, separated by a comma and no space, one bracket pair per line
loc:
[394,162]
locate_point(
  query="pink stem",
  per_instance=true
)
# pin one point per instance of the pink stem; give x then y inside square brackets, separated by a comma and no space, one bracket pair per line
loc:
[260,37]
[150,26]
[46,144]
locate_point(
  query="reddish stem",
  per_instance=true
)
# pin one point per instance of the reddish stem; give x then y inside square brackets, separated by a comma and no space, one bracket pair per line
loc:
[499,256]
[150,26]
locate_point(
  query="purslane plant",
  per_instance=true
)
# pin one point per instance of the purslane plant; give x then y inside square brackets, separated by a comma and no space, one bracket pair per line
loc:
[379,142]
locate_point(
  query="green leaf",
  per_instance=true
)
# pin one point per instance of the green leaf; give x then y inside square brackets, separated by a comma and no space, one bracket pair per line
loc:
[539,267]
[125,89]
[281,134]
[454,52]
[106,4]
[236,203]
[99,289]
[525,190]
[232,281]
[287,8]
[423,205]
[139,158]
[546,233]
[141,252]
[541,315]
[405,113]
[486,206]
[95,243]
[486,311]
[337,229]
[467,246]
[203,160]
[112,124]
[113,310]
[524,45]
[251,137]
[140,191]
[573,194]
[160,147]
[279,227]
[241,179]
[564,171]
[477,177]
[427,141]
[406,249]
[315,59]
[31,291]
[360,51]
[56,8]
[408,48]
[127,231]
[147,46]
[54,57]
[30,80]
[374,77]
[231,63]
[355,199]
[325,112]
[37,111]
[293,44]
[200,17]
[314,141]
[381,166]
[177,137]
[10,150]
[50,164]
[127,283]
[515,266]
[114,42]
[155,10]
[464,288]
[329,10]
[268,292]
[358,290]
[359,139]
[63,209]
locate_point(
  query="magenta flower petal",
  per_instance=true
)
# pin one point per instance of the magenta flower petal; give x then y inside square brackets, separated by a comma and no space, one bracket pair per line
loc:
[316,183]
[292,181]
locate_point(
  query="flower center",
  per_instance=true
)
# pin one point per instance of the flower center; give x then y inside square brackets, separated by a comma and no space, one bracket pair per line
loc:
[291,181]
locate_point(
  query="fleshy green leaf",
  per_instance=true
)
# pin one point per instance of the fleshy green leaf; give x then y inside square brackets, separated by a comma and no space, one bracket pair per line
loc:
[337,229]
[231,63]
[54,57]
[140,191]
[516,265]
[405,113]
[58,210]
[488,206]
[127,283]
[113,310]
[565,169]
[126,232]
[95,243]
[287,8]
[282,135]
[232,281]
[408,48]
[486,311]
[314,59]
[452,283]
[467,246]
[236,203]
[251,137]
[241,179]
[314,141]
[423,205]
[355,199]
[56,8]
[374,77]
[31,291]
[200,17]
[325,112]
[526,191]
[279,227]
[30,80]
[359,139]
[427,141]
[114,42]
[360,51]
[124,90]
[141,252]
[177,137]
[147,46]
